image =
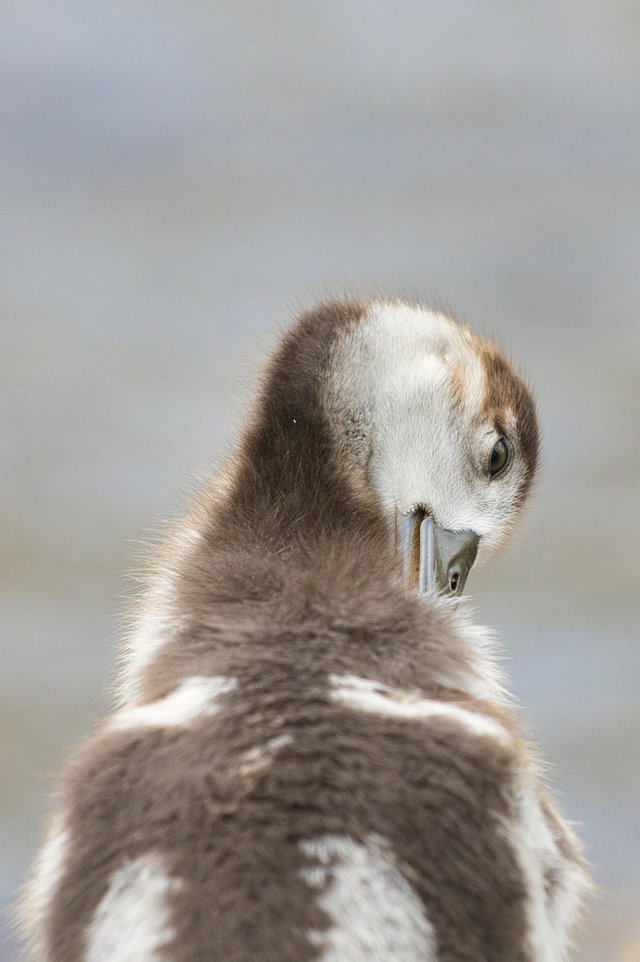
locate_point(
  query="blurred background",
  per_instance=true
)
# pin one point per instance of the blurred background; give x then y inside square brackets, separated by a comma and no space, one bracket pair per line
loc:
[176,179]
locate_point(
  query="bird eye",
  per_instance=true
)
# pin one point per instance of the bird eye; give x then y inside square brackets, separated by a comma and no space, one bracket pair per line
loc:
[499,458]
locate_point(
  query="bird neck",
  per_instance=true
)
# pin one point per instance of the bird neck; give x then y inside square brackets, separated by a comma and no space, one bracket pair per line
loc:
[290,489]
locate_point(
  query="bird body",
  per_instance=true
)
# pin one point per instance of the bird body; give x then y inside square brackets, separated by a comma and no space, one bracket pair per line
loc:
[309,760]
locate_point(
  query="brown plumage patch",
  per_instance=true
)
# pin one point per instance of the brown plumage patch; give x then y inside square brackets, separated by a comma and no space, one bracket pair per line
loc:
[289,479]
[507,391]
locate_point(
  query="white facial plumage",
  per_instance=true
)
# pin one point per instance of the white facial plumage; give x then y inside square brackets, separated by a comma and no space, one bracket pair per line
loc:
[407,402]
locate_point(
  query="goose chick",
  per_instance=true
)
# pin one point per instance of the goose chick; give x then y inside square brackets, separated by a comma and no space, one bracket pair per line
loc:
[311,760]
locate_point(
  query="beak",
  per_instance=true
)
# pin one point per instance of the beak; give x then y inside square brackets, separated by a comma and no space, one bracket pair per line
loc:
[433,558]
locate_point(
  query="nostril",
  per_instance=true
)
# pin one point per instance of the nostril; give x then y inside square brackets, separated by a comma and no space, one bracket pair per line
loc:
[454,580]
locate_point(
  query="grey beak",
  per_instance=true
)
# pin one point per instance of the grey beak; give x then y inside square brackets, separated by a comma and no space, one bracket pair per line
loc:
[433,558]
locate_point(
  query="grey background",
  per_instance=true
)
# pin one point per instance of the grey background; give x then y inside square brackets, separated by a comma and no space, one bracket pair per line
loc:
[176,178]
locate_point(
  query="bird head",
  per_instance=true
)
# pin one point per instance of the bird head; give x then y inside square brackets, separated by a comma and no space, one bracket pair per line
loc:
[437,423]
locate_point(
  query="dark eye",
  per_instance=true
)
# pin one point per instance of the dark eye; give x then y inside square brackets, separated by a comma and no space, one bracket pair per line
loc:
[499,458]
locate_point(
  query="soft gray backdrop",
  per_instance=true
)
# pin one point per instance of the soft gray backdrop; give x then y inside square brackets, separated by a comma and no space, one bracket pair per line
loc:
[176,178]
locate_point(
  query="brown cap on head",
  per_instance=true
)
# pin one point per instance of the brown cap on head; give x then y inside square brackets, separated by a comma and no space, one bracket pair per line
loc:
[507,391]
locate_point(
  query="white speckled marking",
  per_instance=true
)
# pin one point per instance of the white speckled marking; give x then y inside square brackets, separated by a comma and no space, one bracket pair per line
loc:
[258,759]
[363,694]
[375,915]
[132,922]
[193,698]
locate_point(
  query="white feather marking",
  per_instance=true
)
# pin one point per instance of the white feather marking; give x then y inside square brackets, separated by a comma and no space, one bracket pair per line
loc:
[258,759]
[375,914]
[42,887]
[160,621]
[132,923]
[486,679]
[193,698]
[551,918]
[366,695]
[566,900]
